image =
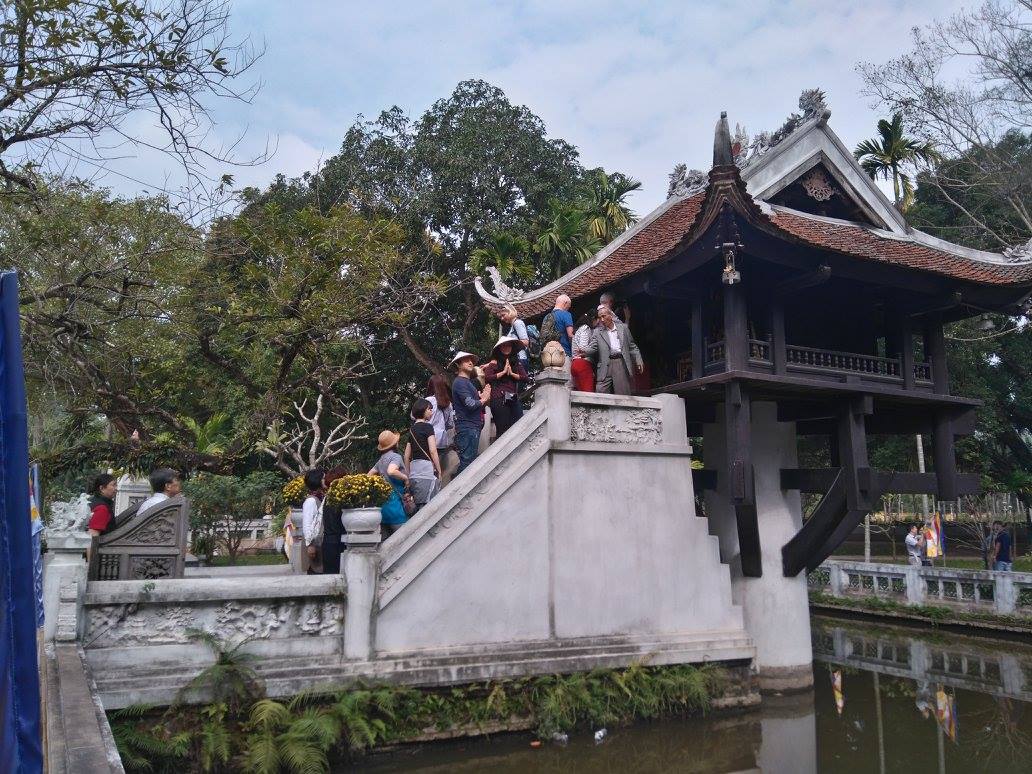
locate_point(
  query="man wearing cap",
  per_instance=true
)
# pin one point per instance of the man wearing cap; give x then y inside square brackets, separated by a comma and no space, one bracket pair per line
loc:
[469,409]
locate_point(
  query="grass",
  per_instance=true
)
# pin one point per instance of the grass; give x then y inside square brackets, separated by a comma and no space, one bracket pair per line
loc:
[249,560]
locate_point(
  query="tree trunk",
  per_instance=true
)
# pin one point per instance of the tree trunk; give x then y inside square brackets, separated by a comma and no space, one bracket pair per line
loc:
[420,354]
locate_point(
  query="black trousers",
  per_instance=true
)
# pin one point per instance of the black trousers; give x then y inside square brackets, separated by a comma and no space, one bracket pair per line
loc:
[504,414]
[331,548]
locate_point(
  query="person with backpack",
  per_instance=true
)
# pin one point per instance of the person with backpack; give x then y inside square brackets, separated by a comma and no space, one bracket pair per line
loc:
[519,330]
[558,325]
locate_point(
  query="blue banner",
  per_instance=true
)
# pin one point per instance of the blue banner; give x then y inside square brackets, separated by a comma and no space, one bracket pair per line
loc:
[20,740]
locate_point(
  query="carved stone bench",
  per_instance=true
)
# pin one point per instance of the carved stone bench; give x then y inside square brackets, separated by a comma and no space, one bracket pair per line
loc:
[150,544]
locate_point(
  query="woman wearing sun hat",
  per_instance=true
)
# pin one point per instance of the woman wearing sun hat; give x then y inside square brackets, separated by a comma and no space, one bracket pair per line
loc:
[505,373]
[392,468]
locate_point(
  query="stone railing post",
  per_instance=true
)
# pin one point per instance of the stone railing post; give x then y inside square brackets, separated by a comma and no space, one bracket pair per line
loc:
[64,584]
[834,579]
[361,568]
[675,429]
[553,389]
[1005,595]
[915,586]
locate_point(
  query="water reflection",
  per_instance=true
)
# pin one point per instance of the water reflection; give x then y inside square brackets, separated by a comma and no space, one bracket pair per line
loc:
[886,699]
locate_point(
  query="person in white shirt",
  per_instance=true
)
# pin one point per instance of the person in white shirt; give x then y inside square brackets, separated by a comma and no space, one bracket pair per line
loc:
[311,523]
[438,392]
[915,546]
[165,483]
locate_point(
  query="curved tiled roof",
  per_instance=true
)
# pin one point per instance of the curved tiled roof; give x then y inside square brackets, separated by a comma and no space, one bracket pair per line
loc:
[652,240]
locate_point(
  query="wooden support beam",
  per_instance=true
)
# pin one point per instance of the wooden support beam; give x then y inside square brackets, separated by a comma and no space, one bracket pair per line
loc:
[906,355]
[653,287]
[820,480]
[779,345]
[944,457]
[937,304]
[741,491]
[698,339]
[852,449]
[935,346]
[704,480]
[736,328]
[803,281]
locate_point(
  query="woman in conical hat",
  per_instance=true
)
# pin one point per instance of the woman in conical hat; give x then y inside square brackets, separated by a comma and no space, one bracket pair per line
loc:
[505,373]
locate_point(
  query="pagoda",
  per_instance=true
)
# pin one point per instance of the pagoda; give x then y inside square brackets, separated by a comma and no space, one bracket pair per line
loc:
[783,295]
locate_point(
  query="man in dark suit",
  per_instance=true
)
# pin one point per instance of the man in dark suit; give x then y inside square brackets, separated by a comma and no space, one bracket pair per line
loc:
[615,354]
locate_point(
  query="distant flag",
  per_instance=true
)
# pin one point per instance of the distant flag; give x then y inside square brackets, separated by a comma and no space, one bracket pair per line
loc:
[946,713]
[37,547]
[836,689]
[932,536]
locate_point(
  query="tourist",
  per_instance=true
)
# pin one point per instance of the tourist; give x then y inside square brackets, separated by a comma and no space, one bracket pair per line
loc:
[915,546]
[102,504]
[615,354]
[421,459]
[438,392]
[1003,561]
[333,528]
[311,522]
[164,483]
[469,409]
[558,325]
[504,374]
[517,328]
[581,370]
[391,468]
[620,310]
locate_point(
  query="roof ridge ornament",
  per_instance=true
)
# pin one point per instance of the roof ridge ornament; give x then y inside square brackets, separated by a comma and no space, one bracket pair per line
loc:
[812,103]
[1021,253]
[500,290]
[723,156]
[686,182]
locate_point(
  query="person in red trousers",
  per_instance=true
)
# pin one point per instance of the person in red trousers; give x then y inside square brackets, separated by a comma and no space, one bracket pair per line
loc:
[582,370]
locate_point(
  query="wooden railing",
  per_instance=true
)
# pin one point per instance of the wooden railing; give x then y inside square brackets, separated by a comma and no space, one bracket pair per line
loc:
[813,360]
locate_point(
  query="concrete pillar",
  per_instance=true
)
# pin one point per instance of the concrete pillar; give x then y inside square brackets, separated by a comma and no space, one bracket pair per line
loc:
[361,566]
[834,579]
[675,429]
[1005,594]
[776,608]
[915,586]
[64,584]
[553,388]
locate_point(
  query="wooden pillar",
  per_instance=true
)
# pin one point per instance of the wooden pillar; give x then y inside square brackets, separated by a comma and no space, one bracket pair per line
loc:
[935,346]
[777,331]
[741,490]
[944,456]
[736,328]
[698,339]
[906,352]
[852,451]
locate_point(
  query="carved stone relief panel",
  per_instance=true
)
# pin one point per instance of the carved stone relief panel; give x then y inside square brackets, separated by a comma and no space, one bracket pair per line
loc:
[617,424]
[151,567]
[157,531]
[133,624]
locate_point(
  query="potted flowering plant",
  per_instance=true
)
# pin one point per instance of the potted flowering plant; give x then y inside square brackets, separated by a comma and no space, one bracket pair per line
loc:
[360,497]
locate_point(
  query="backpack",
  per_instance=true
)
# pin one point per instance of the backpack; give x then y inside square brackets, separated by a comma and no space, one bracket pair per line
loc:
[549,330]
[534,337]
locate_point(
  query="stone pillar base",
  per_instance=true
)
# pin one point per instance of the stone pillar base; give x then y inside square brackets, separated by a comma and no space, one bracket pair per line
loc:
[785,679]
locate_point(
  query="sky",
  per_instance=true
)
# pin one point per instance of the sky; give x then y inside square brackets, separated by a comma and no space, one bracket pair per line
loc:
[636,87]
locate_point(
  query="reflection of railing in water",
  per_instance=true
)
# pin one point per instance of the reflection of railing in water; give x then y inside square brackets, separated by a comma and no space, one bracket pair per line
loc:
[1002,593]
[982,668]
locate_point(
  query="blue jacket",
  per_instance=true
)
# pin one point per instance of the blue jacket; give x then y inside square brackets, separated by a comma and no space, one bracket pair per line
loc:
[469,411]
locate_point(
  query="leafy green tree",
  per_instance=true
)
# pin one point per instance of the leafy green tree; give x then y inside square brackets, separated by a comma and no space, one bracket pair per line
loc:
[565,239]
[607,210]
[75,70]
[225,507]
[888,154]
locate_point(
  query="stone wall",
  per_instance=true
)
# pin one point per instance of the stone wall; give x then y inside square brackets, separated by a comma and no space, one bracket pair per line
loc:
[571,544]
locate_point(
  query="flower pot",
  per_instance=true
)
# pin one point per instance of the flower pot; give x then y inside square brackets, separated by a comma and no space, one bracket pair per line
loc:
[361,526]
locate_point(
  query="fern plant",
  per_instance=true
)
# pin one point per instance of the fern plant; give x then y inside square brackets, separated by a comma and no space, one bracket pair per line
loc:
[230,680]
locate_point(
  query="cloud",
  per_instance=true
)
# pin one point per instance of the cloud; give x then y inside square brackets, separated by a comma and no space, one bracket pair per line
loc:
[636,87]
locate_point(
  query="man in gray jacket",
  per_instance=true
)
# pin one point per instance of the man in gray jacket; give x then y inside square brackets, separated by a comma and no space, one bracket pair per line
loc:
[615,354]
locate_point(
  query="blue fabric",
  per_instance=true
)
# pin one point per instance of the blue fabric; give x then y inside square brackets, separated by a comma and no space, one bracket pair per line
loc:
[20,739]
[467,444]
[392,512]
[469,411]
[1003,540]
[562,320]
[1003,566]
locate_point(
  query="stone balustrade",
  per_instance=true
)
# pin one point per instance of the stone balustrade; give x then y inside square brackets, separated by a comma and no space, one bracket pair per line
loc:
[999,593]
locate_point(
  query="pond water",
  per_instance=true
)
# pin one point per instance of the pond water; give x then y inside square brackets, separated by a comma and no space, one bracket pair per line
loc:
[886,699]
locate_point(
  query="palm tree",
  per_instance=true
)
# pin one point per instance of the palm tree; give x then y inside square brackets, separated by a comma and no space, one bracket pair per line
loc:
[885,155]
[564,239]
[506,251]
[607,211]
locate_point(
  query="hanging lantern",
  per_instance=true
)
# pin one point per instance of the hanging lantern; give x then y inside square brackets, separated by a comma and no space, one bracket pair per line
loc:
[730,275]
